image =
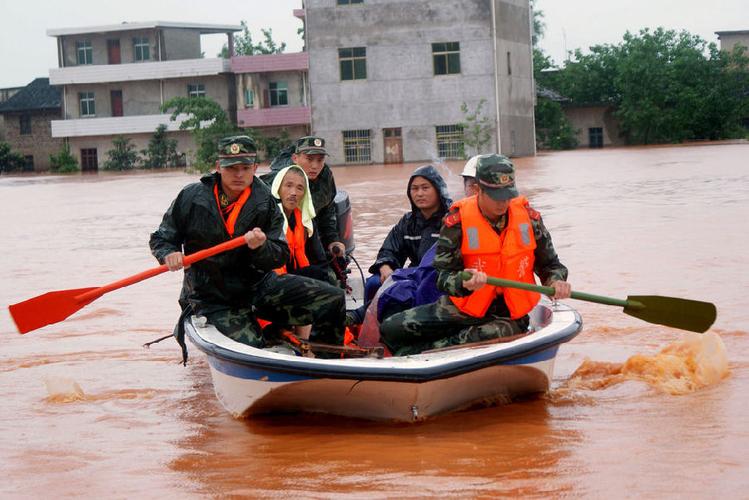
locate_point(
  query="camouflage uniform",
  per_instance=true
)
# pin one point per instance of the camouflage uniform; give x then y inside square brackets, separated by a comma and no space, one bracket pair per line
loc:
[231,288]
[441,324]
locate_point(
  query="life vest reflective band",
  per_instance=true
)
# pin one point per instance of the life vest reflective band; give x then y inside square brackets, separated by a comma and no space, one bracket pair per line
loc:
[508,255]
[296,239]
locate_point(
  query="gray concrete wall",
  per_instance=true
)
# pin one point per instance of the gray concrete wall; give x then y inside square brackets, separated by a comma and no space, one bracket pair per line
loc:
[729,41]
[401,89]
[144,97]
[175,44]
[583,118]
[181,44]
[516,89]
[185,144]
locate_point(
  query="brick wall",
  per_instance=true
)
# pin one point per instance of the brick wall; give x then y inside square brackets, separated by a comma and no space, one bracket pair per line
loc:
[39,143]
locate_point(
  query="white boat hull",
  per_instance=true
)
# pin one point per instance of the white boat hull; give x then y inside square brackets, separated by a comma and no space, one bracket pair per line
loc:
[251,381]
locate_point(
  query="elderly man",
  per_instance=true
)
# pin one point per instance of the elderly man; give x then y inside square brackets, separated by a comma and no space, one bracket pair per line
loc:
[231,288]
[494,233]
[309,153]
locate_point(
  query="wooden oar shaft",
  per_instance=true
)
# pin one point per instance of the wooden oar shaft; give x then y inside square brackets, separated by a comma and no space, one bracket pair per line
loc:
[548,290]
[150,273]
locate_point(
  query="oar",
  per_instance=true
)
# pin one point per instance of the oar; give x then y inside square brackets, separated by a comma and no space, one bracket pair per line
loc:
[685,314]
[53,307]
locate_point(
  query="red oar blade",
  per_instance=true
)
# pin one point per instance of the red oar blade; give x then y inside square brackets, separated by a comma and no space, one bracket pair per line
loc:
[48,308]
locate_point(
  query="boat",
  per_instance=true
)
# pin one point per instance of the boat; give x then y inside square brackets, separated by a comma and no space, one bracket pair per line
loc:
[251,381]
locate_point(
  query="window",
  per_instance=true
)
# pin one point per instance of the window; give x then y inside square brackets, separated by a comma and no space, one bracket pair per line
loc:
[356,146]
[353,63]
[84,51]
[196,90]
[509,66]
[279,95]
[446,57]
[24,124]
[450,141]
[89,159]
[249,98]
[349,2]
[88,105]
[141,49]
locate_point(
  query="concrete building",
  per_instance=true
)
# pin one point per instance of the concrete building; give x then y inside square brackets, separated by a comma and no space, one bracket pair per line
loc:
[115,78]
[5,94]
[272,93]
[729,39]
[27,115]
[387,77]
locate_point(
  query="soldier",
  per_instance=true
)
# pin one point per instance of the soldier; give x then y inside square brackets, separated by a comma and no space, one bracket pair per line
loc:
[309,153]
[495,233]
[229,289]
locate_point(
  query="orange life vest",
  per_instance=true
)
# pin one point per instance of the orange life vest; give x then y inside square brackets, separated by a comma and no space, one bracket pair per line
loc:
[508,255]
[296,239]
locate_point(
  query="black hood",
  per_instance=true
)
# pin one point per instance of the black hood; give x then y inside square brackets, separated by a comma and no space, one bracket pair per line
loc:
[431,174]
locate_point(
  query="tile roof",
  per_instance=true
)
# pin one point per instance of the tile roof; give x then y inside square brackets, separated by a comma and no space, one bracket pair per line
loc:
[37,95]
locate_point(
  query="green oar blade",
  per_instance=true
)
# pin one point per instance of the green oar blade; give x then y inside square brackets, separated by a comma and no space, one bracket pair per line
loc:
[691,315]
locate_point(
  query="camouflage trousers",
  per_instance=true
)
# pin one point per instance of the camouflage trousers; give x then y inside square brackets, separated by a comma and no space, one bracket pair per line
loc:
[441,324]
[286,300]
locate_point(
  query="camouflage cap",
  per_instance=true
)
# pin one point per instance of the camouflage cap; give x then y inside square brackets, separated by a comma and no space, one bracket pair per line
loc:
[310,145]
[236,149]
[496,177]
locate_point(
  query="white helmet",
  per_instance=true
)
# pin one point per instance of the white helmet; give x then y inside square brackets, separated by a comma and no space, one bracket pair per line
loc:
[470,168]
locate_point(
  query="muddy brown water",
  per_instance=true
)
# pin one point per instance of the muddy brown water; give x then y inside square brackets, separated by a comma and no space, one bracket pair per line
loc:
[634,410]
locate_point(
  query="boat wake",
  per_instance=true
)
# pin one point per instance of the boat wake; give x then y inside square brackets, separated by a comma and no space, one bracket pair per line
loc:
[694,362]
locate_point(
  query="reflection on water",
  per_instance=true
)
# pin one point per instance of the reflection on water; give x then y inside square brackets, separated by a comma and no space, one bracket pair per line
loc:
[87,410]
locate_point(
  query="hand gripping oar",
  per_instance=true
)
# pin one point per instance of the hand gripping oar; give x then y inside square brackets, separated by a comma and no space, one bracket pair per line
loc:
[685,314]
[53,307]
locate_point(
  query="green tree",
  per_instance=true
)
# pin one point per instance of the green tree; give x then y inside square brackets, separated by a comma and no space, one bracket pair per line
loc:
[10,161]
[161,151]
[666,86]
[477,127]
[553,130]
[274,144]
[63,162]
[208,123]
[123,156]
[244,46]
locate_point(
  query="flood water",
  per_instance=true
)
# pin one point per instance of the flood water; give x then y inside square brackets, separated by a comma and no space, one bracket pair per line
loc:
[85,411]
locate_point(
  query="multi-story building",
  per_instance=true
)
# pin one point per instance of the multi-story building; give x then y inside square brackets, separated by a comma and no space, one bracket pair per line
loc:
[387,77]
[729,39]
[27,115]
[115,78]
[272,93]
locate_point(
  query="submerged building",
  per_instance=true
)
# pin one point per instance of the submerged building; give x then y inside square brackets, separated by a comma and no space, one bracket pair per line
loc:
[115,78]
[387,77]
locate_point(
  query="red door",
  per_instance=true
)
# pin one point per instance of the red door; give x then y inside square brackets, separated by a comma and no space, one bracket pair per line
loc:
[116,96]
[113,51]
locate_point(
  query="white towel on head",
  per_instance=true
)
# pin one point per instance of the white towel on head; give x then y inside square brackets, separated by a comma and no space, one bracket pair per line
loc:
[305,205]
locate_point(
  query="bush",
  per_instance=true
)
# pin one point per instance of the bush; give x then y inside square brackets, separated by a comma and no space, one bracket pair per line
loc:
[274,145]
[9,160]
[123,156]
[161,151]
[553,130]
[64,162]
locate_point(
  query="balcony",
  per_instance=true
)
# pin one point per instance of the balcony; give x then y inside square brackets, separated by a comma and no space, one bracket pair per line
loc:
[294,61]
[153,70]
[274,117]
[84,127]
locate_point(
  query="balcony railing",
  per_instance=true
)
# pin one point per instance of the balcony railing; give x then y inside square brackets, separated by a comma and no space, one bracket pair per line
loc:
[153,70]
[142,124]
[274,117]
